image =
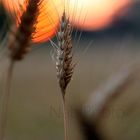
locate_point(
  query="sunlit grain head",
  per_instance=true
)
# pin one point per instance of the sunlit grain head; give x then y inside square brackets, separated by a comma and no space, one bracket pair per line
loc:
[48,18]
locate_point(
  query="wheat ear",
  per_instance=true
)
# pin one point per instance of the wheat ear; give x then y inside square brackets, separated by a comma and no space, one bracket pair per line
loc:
[93,110]
[108,92]
[64,64]
[19,45]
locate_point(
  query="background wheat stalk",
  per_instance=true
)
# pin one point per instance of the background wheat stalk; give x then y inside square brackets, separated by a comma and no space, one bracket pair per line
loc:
[100,99]
[64,64]
[19,44]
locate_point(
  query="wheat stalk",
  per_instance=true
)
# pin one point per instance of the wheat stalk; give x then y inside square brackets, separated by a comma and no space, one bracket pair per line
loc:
[109,92]
[93,110]
[64,63]
[19,45]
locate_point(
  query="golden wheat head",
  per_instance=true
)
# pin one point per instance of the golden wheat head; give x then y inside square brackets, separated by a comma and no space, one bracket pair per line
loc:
[64,64]
[20,45]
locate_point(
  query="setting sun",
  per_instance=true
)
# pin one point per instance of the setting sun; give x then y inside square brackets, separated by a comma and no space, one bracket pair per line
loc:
[94,14]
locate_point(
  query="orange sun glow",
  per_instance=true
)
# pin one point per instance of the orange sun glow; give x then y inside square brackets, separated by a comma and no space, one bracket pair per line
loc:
[94,14]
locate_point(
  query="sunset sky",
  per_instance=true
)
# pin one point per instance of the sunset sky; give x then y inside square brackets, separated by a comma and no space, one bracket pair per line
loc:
[85,14]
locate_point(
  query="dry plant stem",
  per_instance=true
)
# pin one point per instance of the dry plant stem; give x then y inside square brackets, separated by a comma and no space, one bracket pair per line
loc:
[65,119]
[6,101]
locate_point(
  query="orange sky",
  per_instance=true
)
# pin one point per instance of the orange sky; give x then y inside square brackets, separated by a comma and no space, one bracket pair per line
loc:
[85,14]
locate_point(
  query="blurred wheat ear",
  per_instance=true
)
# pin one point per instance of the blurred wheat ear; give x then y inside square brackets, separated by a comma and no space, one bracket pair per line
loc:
[19,44]
[64,61]
[93,110]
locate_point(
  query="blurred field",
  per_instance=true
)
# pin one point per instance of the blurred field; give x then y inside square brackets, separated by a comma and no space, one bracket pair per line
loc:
[35,108]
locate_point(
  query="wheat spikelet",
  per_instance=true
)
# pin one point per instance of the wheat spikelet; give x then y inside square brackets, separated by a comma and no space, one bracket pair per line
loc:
[64,64]
[64,61]
[20,44]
